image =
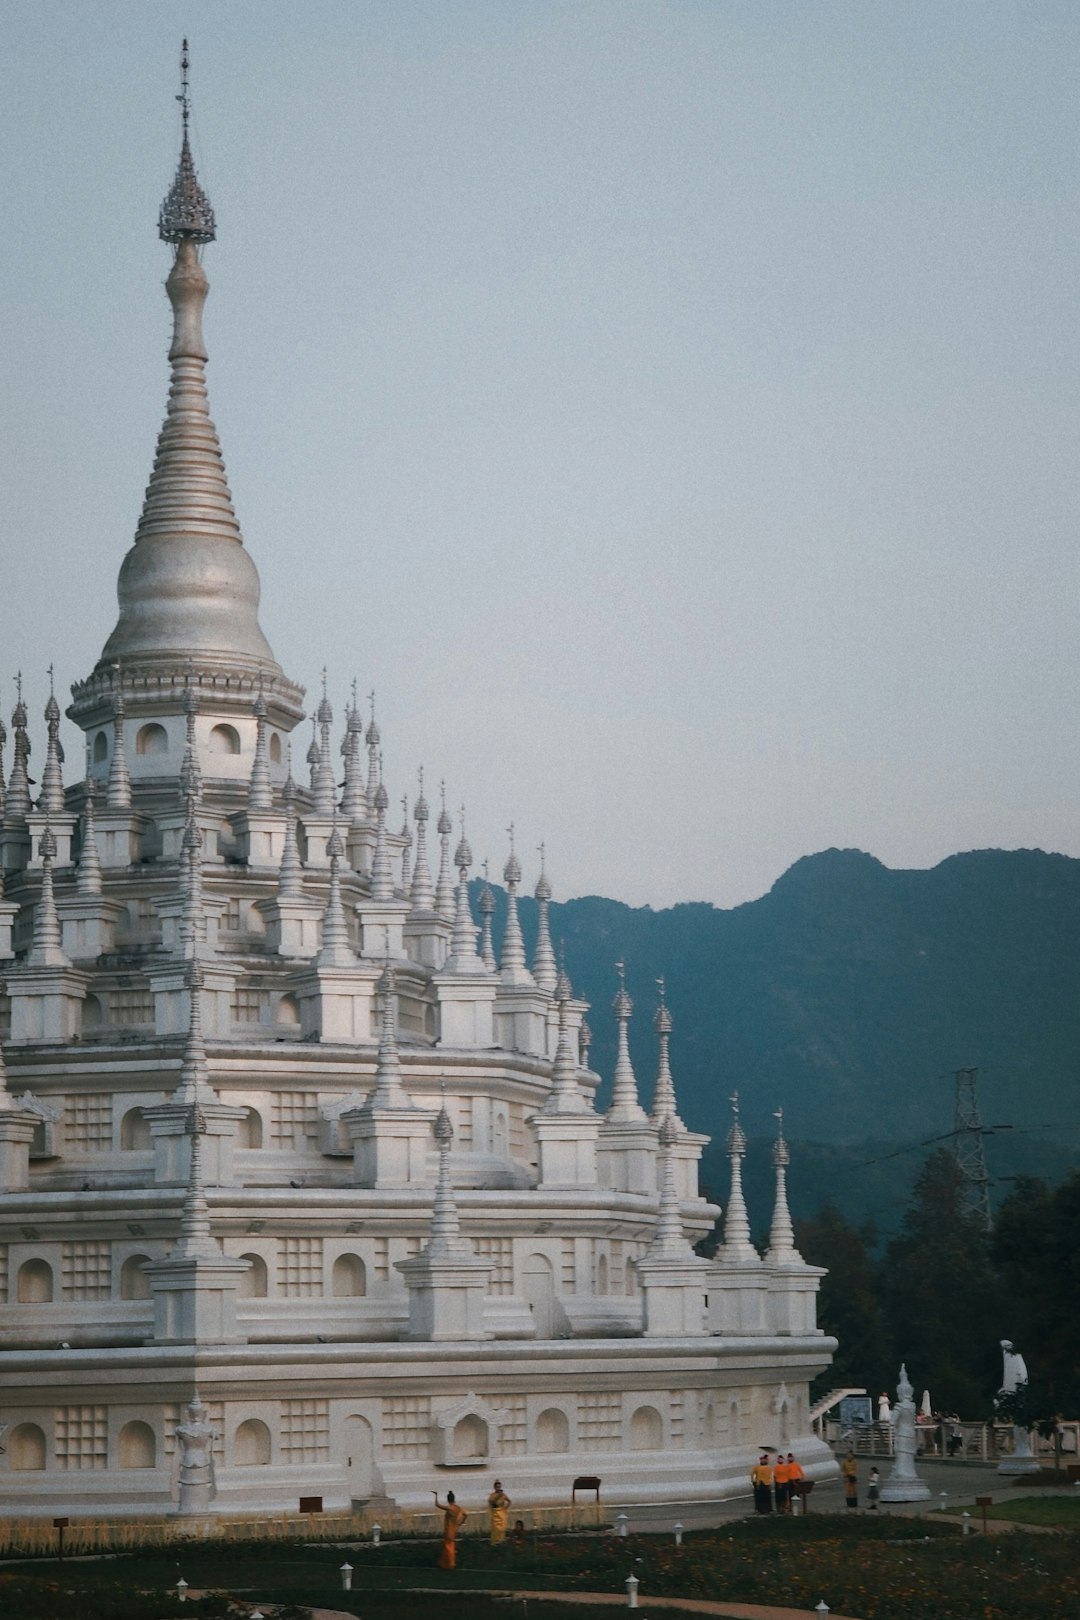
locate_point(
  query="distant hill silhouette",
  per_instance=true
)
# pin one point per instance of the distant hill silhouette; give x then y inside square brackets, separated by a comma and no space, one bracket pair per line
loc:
[848,994]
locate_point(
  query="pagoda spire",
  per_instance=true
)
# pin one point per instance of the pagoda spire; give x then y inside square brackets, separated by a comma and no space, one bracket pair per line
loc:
[260,792]
[388,1091]
[3,789]
[544,970]
[406,847]
[354,807]
[486,907]
[323,786]
[565,1096]
[187,587]
[374,769]
[51,798]
[446,1241]
[463,957]
[664,1105]
[736,1245]
[669,1241]
[624,1092]
[19,803]
[444,887]
[421,894]
[290,873]
[513,968]
[382,872]
[195,1237]
[781,1250]
[118,789]
[335,950]
[194,1084]
[88,873]
[46,948]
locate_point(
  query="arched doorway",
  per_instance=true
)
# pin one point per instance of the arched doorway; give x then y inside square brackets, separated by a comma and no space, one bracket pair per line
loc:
[539,1285]
[359,1443]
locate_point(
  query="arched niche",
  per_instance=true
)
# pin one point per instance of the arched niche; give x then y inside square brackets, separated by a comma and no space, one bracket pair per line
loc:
[251,1444]
[134,1283]
[631,1281]
[34,1284]
[646,1429]
[348,1278]
[101,747]
[287,1013]
[552,1431]
[152,739]
[470,1439]
[26,1448]
[135,1134]
[224,740]
[275,748]
[254,1281]
[92,1014]
[249,1130]
[136,1446]
[602,1274]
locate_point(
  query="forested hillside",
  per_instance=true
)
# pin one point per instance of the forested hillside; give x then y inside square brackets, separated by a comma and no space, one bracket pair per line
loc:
[848,994]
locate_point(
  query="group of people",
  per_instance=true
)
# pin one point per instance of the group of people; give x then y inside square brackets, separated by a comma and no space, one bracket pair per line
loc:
[454,1516]
[780,1480]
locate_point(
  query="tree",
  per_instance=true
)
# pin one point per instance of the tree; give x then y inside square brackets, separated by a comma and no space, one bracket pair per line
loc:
[849,1305]
[943,1301]
[1036,1248]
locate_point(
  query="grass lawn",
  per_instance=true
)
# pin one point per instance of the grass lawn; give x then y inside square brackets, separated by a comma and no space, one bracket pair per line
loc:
[1057,1512]
[891,1569]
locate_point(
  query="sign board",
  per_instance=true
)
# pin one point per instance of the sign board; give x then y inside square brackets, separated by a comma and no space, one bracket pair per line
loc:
[984,1501]
[61,1524]
[856,1409]
[311,1504]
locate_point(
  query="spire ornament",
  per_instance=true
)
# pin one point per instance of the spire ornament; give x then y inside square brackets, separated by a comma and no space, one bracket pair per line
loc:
[737,1246]
[46,948]
[422,894]
[664,1105]
[118,788]
[354,805]
[186,214]
[51,798]
[513,968]
[260,792]
[3,790]
[382,873]
[624,1093]
[444,887]
[486,907]
[781,1250]
[323,786]
[19,803]
[374,774]
[290,872]
[543,968]
[406,847]
[463,957]
[335,951]
[669,1241]
[565,1096]
[388,1091]
[88,873]
[446,1241]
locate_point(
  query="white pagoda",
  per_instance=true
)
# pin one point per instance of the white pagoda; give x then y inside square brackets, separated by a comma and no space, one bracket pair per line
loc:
[286,1148]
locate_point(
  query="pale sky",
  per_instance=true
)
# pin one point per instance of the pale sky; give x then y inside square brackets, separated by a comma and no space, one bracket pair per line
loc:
[670,409]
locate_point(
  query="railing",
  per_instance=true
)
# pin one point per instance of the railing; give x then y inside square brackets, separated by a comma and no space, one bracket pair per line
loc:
[38,1536]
